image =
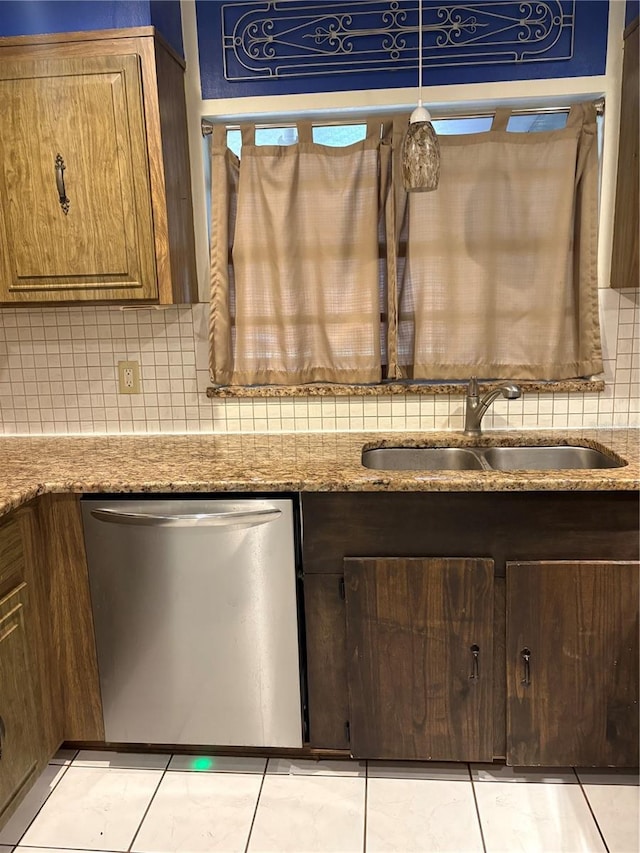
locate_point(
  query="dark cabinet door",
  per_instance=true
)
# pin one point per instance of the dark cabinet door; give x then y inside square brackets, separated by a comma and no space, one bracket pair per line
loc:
[420,657]
[326,670]
[572,663]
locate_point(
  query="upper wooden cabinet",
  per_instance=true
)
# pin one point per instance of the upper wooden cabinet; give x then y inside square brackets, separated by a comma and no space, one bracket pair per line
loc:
[625,268]
[94,170]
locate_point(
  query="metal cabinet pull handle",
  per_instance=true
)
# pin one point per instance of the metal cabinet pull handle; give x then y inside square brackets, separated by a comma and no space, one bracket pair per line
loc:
[475,666]
[62,193]
[240,518]
[526,658]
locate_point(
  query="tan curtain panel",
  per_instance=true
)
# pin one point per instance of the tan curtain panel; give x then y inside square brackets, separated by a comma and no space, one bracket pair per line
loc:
[324,270]
[500,277]
[225,168]
[303,302]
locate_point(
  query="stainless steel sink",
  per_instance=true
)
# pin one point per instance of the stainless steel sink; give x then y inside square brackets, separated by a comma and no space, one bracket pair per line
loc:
[521,458]
[547,458]
[421,459]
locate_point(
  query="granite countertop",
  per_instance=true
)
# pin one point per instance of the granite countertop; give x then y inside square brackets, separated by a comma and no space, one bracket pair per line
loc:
[255,462]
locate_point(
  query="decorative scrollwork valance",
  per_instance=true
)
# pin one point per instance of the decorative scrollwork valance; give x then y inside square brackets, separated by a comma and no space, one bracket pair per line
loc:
[299,39]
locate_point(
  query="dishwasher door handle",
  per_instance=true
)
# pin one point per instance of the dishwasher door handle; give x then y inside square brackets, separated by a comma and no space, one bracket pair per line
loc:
[237,519]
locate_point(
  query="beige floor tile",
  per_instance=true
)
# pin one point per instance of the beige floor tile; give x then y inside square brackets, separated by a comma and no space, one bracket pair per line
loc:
[218,763]
[310,767]
[94,808]
[608,776]
[18,823]
[309,813]
[193,812]
[536,818]
[502,773]
[617,811]
[121,760]
[444,771]
[416,815]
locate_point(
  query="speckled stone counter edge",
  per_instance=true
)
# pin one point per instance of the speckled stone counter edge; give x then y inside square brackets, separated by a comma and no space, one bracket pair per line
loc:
[395,388]
[287,462]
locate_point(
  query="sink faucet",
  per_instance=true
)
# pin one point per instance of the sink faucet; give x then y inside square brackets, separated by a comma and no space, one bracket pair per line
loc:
[476,407]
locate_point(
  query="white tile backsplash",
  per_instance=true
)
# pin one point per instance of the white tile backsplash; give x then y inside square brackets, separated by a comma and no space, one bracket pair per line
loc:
[58,375]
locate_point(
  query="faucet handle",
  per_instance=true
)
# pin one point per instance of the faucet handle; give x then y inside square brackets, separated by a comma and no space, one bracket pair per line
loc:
[472,387]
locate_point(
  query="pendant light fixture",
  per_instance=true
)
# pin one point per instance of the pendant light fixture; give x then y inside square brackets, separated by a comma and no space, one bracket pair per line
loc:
[420,154]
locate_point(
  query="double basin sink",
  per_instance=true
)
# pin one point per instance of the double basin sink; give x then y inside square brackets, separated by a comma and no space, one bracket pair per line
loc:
[502,458]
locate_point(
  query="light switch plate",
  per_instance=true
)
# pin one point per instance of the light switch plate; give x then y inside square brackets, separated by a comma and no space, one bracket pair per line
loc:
[129,377]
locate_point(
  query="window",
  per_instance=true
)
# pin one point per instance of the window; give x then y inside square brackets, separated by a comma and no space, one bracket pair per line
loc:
[324,270]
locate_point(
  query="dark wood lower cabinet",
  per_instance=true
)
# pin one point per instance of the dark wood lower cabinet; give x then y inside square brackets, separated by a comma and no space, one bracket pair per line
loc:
[326,670]
[392,657]
[420,658]
[572,663]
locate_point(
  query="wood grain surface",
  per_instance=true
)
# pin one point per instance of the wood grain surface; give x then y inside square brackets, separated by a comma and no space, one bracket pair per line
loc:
[18,723]
[412,628]
[73,632]
[45,668]
[504,526]
[89,111]
[164,244]
[579,621]
[625,266]
[326,637]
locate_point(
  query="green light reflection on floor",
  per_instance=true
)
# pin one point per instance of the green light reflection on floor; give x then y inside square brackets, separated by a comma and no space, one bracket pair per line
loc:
[202,762]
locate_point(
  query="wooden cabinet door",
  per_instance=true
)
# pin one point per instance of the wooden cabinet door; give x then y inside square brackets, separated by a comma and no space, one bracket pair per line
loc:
[572,663]
[75,218]
[18,733]
[420,658]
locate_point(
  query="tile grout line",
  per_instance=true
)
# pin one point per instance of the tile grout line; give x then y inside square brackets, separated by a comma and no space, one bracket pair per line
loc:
[41,806]
[146,811]
[475,800]
[255,811]
[595,819]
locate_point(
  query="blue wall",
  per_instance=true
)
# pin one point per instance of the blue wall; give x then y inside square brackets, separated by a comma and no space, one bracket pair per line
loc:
[286,48]
[632,11]
[579,51]
[165,17]
[33,17]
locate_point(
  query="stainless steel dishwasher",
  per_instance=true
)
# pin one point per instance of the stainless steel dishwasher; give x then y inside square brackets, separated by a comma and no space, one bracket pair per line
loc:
[194,604]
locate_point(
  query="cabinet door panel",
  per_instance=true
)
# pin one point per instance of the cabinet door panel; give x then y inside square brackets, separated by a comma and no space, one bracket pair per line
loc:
[326,661]
[577,702]
[18,735]
[89,112]
[412,628]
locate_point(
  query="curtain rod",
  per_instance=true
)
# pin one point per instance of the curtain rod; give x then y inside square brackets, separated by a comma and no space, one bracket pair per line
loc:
[208,125]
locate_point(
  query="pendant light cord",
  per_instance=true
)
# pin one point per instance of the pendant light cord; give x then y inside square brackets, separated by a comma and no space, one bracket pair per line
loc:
[420,52]
[420,113]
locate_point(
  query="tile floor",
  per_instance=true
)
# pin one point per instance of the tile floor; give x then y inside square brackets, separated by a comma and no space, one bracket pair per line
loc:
[116,802]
